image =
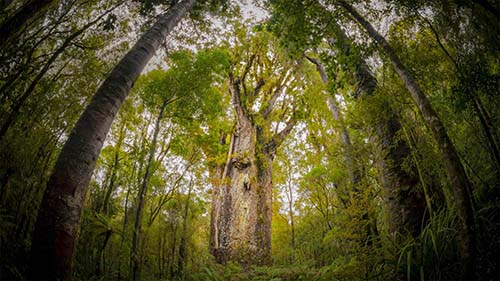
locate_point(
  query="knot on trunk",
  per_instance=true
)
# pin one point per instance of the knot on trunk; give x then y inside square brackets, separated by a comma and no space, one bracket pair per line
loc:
[241,163]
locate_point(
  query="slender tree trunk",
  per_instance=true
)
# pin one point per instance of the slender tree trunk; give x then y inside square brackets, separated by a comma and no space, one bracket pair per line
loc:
[484,120]
[58,219]
[16,107]
[114,170]
[182,246]
[173,250]
[141,199]
[488,131]
[23,17]
[354,173]
[100,254]
[292,217]
[456,173]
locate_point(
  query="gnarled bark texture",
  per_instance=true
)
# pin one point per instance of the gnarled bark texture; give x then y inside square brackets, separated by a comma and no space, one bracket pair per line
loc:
[58,220]
[242,203]
[459,182]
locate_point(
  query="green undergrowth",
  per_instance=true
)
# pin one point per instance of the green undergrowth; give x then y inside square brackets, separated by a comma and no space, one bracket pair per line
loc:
[234,272]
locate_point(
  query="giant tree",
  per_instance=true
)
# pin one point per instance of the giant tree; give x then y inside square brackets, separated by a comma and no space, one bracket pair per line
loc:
[265,89]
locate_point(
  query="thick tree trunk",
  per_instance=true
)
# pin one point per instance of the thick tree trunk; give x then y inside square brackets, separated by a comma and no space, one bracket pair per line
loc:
[405,203]
[242,206]
[59,216]
[24,16]
[456,173]
[238,215]
[136,258]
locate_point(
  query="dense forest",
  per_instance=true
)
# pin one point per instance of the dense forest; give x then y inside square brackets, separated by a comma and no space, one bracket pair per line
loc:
[249,140]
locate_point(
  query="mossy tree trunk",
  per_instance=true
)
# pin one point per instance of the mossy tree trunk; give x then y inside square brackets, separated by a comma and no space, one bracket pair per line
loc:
[405,200]
[242,203]
[456,173]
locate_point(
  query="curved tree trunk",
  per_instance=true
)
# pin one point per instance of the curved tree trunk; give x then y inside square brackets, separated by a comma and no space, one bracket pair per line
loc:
[456,173]
[57,224]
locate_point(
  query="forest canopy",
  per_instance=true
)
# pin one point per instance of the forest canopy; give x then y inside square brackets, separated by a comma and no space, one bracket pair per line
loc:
[249,140]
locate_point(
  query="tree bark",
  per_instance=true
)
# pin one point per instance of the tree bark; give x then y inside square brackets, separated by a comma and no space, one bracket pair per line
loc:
[242,206]
[59,215]
[456,173]
[404,202]
[289,192]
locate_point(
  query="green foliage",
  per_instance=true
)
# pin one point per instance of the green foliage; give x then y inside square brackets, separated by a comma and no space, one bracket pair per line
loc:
[340,229]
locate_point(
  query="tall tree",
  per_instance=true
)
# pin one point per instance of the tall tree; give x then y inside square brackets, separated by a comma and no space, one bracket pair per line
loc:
[310,26]
[405,201]
[456,173]
[58,219]
[242,207]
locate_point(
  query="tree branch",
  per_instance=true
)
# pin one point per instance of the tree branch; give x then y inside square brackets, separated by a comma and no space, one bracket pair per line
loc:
[278,138]
[245,72]
[268,108]
[234,89]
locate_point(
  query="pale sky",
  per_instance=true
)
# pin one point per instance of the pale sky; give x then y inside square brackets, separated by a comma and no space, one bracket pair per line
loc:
[251,10]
